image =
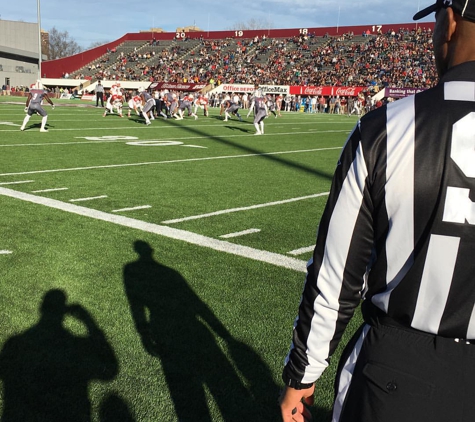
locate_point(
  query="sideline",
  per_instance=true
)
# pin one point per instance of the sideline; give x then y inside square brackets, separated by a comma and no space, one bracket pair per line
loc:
[169,232]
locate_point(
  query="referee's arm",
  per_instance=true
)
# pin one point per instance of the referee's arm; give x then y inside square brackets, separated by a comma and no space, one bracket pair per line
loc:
[336,273]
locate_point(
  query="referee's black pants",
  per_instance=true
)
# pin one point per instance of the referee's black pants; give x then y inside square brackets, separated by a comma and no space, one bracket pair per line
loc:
[100,98]
[403,375]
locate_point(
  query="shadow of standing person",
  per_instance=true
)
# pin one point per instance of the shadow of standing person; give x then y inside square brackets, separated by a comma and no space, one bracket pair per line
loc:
[176,326]
[46,369]
[115,409]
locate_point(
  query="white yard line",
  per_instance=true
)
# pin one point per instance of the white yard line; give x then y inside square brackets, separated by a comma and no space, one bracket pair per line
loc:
[185,160]
[91,198]
[169,232]
[238,234]
[5,252]
[251,207]
[194,126]
[48,190]
[140,207]
[206,137]
[17,182]
[301,251]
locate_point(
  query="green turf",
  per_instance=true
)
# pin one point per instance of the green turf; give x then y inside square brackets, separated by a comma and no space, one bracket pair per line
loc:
[221,323]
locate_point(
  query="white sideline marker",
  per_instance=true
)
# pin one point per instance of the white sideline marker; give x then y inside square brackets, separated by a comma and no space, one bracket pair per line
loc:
[88,199]
[301,251]
[241,233]
[17,182]
[140,207]
[5,252]
[251,207]
[169,232]
[48,190]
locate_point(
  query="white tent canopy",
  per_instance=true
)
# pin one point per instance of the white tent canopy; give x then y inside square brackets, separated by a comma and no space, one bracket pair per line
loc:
[76,83]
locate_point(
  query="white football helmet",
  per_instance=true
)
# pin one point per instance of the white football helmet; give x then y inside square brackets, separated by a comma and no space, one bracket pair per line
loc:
[141,89]
[36,85]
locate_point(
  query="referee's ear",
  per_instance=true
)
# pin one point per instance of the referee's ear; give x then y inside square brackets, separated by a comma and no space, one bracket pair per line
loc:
[452,20]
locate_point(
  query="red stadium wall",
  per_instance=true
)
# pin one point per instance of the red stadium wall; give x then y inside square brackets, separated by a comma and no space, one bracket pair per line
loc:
[57,68]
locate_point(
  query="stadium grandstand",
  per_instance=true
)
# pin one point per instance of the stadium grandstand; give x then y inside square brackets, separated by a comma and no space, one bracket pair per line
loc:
[302,61]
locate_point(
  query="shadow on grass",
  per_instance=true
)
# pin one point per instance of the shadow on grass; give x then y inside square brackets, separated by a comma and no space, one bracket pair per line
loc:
[115,409]
[46,370]
[198,355]
[251,150]
[240,129]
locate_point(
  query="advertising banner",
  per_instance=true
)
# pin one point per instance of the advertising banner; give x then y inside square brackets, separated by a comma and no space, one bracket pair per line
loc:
[326,91]
[235,88]
[401,92]
[176,86]
[275,89]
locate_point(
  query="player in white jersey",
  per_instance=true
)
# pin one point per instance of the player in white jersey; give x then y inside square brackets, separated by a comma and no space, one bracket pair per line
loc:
[288,102]
[135,103]
[225,99]
[115,101]
[201,102]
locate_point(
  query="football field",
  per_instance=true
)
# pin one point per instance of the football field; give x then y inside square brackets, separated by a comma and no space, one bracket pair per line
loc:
[182,247]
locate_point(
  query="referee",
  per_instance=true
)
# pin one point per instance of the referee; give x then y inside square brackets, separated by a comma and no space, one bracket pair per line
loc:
[398,234]
[99,91]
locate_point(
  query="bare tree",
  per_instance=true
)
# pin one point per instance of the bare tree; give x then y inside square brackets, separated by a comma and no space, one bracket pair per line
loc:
[62,45]
[96,44]
[252,24]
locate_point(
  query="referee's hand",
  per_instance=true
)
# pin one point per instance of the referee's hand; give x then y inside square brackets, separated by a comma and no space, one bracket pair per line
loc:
[292,404]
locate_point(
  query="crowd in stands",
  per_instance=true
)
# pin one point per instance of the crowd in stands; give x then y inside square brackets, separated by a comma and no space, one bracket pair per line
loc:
[401,58]
[396,58]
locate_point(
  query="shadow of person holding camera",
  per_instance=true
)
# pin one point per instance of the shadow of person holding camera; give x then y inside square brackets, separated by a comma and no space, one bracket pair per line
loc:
[115,409]
[46,370]
[193,346]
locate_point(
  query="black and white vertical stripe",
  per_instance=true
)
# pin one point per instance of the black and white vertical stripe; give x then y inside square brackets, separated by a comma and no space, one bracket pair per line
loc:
[399,226]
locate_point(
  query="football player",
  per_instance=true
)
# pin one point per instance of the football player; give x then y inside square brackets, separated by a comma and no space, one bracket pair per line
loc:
[232,107]
[201,102]
[135,103]
[115,101]
[185,104]
[34,105]
[147,105]
[260,112]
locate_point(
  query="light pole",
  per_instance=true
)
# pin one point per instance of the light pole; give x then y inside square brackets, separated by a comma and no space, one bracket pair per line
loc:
[418,8]
[39,40]
[338,20]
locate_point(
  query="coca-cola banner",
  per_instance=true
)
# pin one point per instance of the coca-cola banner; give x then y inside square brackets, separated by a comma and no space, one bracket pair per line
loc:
[326,91]
[176,87]
[401,92]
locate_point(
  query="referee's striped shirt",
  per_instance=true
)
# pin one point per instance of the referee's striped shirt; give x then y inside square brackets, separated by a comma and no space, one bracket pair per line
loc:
[399,226]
